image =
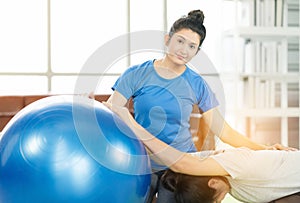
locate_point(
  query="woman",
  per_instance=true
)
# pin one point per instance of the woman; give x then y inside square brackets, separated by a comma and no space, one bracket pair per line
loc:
[165,90]
[248,175]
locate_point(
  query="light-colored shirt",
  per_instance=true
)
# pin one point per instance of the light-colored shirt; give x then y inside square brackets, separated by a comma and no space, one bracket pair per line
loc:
[263,175]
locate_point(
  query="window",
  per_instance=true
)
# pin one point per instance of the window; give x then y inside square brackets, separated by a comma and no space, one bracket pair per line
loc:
[45,44]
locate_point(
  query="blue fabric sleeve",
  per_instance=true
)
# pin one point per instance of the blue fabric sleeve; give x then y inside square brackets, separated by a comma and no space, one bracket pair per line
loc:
[124,84]
[207,99]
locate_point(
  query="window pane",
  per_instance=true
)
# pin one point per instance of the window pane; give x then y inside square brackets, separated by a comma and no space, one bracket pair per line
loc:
[141,57]
[117,67]
[23,85]
[23,41]
[84,84]
[105,84]
[64,85]
[80,27]
[146,15]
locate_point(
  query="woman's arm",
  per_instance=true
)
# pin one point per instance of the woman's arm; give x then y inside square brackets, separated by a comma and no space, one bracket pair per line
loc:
[178,161]
[116,98]
[219,127]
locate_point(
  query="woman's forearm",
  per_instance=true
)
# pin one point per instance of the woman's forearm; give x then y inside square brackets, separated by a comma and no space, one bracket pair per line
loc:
[165,153]
[235,139]
[219,127]
[174,159]
[159,149]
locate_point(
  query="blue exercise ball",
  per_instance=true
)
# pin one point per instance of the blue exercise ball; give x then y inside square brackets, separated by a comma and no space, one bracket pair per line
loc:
[71,149]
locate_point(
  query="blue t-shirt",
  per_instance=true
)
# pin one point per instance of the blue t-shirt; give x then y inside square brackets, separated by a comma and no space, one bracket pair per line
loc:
[164,106]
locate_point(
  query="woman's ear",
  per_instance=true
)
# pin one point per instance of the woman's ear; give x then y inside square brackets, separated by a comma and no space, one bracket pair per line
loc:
[167,39]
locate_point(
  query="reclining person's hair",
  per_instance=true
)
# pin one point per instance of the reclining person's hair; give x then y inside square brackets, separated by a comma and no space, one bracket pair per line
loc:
[188,188]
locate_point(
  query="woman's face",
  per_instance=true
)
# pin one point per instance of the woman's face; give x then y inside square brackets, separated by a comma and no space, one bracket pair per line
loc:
[182,46]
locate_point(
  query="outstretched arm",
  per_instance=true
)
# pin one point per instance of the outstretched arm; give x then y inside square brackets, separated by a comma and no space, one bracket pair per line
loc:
[178,161]
[227,134]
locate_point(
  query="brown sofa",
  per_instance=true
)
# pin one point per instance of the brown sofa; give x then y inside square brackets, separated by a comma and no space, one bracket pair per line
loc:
[10,105]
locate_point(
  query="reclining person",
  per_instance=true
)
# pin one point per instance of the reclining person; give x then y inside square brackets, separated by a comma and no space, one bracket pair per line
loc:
[248,175]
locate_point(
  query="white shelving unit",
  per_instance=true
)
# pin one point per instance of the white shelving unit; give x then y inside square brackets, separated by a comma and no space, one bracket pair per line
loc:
[263,33]
[264,69]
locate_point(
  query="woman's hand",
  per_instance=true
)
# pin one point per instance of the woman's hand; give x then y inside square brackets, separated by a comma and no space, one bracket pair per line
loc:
[128,119]
[91,95]
[121,111]
[280,147]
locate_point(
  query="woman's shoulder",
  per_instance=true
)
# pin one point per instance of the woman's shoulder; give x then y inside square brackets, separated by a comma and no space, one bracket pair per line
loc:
[145,64]
[193,74]
[194,78]
[138,68]
[141,66]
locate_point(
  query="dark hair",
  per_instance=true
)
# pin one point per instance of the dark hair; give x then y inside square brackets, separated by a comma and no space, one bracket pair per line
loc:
[194,22]
[188,188]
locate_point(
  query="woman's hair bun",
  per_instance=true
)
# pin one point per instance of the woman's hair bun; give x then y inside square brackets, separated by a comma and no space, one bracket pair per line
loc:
[194,22]
[196,15]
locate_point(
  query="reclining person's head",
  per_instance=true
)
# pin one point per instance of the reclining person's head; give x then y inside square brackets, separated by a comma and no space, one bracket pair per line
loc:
[195,189]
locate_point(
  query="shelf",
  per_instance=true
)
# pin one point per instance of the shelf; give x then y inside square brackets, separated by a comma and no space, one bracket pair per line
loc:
[263,33]
[269,112]
[265,69]
[287,77]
